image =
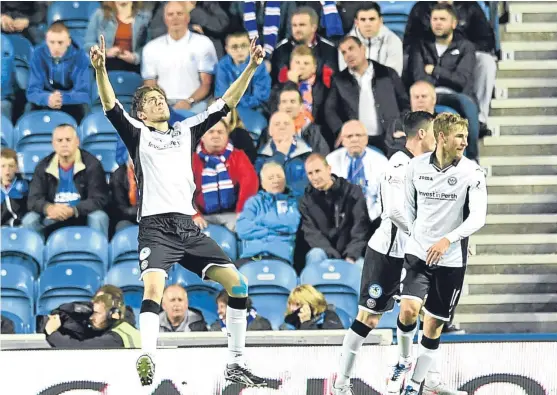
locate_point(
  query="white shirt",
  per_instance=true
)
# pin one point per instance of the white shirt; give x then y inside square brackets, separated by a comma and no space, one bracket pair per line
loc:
[176,64]
[374,165]
[390,239]
[449,202]
[367,113]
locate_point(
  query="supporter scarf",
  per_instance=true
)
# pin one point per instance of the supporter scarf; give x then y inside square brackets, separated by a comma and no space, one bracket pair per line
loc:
[356,173]
[303,120]
[132,193]
[331,19]
[216,185]
[305,88]
[270,27]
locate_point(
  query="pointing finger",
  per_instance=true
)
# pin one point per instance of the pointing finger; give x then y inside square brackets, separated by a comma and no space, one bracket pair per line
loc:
[102,43]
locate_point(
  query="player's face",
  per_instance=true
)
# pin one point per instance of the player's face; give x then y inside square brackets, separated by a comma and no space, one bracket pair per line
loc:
[273,180]
[57,43]
[281,127]
[353,55]
[319,174]
[65,142]
[9,168]
[155,107]
[428,141]
[175,303]
[290,103]
[216,138]
[456,143]
[98,318]
[442,23]
[305,65]
[238,49]
[221,309]
[368,23]
[302,29]
[354,139]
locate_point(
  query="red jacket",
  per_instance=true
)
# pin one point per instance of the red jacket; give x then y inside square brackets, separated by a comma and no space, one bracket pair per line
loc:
[241,172]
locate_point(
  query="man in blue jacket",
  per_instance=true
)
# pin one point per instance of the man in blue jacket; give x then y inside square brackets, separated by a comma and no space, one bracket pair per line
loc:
[60,78]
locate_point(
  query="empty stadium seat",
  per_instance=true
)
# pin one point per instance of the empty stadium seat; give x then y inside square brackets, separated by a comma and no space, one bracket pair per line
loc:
[396,11]
[344,318]
[123,246]
[8,73]
[28,158]
[23,247]
[269,285]
[124,83]
[440,108]
[37,126]
[20,326]
[106,155]
[7,131]
[224,238]
[254,121]
[74,14]
[18,293]
[338,280]
[98,129]
[23,52]
[126,277]
[66,283]
[77,244]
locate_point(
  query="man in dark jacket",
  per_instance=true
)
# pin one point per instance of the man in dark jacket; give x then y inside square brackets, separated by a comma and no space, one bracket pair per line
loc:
[177,315]
[14,190]
[335,222]
[304,24]
[473,26]
[24,17]
[367,91]
[124,196]
[60,77]
[68,187]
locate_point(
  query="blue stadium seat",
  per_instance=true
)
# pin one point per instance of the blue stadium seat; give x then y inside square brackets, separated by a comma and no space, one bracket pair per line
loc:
[25,245]
[18,293]
[37,127]
[23,52]
[254,122]
[224,238]
[440,108]
[29,156]
[74,14]
[7,131]
[106,155]
[396,11]
[7,47]
[77,244]
[125,83]
[21,327]
[66,283]
[338,280]
[124,246]
[346,319]
[388,320]
[8,72]
[126,277]
[397,27]
[97,128]
[270,283]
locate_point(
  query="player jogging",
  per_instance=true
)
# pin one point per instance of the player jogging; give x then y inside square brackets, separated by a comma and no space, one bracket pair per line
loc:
[162,157]
[446,202]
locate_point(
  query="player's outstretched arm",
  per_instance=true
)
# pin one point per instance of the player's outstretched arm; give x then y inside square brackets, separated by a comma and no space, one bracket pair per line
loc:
[235,92]
[98,60]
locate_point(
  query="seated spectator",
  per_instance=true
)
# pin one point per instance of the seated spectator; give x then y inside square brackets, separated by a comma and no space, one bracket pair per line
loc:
[367,91]
[448,63]
[307,309]
[382,45]
[68,188]
[7,326]
[287,150]
[239,136]
[107,320]
[233,64]
[177,315]
[268,223]
[359,165]
[60,77]
[304,23]
[124,26]
[14,190]
[181,62]
[255,321]
[335,220]
[25,17]
[473,26]
[224,178]
[8,85]
[123,187]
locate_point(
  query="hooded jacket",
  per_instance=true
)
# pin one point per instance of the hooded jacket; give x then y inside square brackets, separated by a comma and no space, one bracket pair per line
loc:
[268,224]
[336,220]
[70,75]
[14,201]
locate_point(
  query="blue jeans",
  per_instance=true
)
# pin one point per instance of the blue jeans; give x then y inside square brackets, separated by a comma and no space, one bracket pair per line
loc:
[97,220]
[318,255]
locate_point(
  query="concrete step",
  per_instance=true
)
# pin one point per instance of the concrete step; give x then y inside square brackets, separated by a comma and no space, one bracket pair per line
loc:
[521,180]
[523,125]
[525,7]
[513,244]
[531,27]
[544,73]
[521,204]
[519,289]
[507,303]
[519,224]
[520,165]
[542,264]
[510,279]
[507,322]
[516,284]
[532,64]
[514,36]
[518,145]
[521,189]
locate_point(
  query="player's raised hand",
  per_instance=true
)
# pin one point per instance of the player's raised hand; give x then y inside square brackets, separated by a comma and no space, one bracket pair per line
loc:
[256,52]
[98,54]
[436,251]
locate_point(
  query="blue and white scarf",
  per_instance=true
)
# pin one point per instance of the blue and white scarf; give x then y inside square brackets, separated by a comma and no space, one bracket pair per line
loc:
[270,26]
[331,19]
[356,172]
[216,185]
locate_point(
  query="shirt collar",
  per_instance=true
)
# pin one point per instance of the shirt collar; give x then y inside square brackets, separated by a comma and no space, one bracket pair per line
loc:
[185,38]
[369,71]
[454,163]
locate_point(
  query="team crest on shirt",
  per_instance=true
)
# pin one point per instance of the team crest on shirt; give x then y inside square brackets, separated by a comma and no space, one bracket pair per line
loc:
[452,181]
[375,291]
[144,264]
[370,303]
[144,253]
[176,132]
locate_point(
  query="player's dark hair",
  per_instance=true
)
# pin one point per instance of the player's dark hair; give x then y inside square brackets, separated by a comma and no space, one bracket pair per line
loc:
[139,96]
[348,37]
[414,121]
[237,34]
[445,7]
[369,6]
[290,87]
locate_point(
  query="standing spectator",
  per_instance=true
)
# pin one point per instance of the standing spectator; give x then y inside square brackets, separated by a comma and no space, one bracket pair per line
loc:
[307,309]
[382,45]
[448,63]
[180,62]
[335,220]
[178,316]
[123,187]
[304,24]
[24,17]
[268,224]
[233,64]
[473,26]
[367,91]
[254,320]
[287,150]
[68,187]
[124,26]
[359,165]
[14,190]
[224,178]
[60,78]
